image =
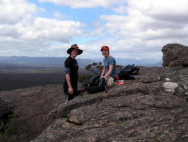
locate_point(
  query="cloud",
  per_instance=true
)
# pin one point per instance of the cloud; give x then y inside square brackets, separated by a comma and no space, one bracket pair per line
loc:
[14,10]
[40,48]
[42,28]
[85,3]
[121,9]
[58,15]
[22,33]
[39,37]
[147,26]
[137,29]
[168,10]
[51,29]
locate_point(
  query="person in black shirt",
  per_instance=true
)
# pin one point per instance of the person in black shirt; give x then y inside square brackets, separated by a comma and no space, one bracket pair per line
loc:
[71,73]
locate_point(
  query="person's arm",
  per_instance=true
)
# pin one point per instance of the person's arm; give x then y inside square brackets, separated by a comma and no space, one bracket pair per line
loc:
[67,77]
[103,71]
[109,71]
[70,89]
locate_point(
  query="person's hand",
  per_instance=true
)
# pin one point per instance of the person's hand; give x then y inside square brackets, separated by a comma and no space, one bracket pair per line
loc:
[70,90]
[105,77]
[102,76]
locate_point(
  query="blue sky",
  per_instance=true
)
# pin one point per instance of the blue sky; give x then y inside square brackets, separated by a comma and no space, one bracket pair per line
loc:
[134,29]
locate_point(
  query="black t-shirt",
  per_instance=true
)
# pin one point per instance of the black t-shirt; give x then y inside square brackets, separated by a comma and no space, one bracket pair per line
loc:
[73,66]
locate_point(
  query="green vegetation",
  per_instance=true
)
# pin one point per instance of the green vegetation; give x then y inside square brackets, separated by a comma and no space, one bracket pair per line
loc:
[95,68]
[84,77]
[10,131]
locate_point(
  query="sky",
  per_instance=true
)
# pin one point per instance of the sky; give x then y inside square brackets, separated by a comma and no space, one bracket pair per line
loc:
[133,29]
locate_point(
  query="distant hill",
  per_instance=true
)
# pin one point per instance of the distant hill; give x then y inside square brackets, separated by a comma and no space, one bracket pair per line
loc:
[59,61]
[23,60]
[143,62]
[40,61]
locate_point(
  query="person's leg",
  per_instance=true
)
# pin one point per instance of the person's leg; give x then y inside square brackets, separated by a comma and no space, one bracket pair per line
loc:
[70,97]
[65,89]
[110,81]
[66,98]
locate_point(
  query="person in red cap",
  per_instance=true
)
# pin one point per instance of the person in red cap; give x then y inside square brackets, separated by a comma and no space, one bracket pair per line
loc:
[71,73]
[109,63]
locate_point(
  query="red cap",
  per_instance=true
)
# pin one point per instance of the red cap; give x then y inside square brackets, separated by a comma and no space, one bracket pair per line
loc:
[105,48]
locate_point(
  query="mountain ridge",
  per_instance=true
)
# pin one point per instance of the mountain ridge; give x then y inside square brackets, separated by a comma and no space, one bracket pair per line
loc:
[59,61]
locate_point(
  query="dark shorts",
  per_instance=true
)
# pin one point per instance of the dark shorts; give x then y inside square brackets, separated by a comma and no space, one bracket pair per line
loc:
[70,96]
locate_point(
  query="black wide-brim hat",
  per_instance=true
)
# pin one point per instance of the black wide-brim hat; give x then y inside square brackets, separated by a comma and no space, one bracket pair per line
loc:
[74,46]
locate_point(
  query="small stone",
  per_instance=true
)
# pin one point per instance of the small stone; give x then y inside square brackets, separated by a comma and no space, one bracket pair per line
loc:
[167,79]
[170,86]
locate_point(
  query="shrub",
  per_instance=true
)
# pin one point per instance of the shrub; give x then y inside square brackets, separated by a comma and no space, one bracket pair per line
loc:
[84,77]
[10,130]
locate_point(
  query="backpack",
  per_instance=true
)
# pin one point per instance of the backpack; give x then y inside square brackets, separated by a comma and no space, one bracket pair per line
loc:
[96,84]
[128,71]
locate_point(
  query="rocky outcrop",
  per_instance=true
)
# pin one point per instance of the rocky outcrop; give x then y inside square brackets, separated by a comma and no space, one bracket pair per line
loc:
[32,106]
[144,109]
[140,110]
[151,108]
[175,55]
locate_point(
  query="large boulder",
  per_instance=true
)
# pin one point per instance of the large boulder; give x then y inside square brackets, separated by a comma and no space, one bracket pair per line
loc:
[175,55]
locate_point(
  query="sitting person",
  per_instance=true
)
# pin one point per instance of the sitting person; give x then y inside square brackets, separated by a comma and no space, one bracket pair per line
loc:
[109,71]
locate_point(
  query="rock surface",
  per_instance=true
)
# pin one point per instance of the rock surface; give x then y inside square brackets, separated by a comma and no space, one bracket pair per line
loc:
[175,55]
[6,109]
[140,110]
[32,106]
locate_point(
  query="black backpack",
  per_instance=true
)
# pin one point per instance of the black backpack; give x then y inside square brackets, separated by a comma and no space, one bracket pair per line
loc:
[128,71]
[96,84]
